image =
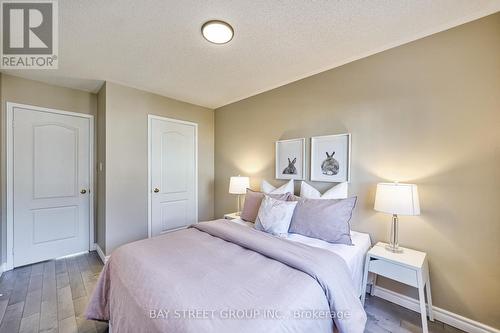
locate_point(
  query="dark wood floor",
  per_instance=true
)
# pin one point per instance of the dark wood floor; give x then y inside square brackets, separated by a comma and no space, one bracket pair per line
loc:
[52,296]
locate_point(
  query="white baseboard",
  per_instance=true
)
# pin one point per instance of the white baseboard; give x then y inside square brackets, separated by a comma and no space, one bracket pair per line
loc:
[3,268]
[100,252]
[445,316]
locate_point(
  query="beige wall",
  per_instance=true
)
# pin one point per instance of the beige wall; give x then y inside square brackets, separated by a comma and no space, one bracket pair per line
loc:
[18,90]
[427,113]
[127,155]
[101,172]
[121,146]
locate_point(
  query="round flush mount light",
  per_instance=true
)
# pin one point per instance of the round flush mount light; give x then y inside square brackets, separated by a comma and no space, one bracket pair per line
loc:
[217,32]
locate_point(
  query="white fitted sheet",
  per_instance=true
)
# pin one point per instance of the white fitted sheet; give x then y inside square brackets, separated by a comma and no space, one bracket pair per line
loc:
[354,256]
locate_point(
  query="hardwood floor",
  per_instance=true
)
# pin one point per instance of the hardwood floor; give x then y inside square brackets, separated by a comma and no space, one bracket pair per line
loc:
[52,297]
[384,316]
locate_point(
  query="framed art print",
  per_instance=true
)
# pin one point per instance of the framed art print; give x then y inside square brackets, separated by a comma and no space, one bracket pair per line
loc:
[291,159]
[331,158]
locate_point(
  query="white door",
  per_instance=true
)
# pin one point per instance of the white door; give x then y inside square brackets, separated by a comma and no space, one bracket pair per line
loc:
[51,180]
[173,163]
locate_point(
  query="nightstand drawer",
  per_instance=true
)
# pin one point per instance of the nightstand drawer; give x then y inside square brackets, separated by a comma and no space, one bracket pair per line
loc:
[394,271]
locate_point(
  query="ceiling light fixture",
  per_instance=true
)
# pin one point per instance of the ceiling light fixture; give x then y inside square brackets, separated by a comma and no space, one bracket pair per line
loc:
[217,32]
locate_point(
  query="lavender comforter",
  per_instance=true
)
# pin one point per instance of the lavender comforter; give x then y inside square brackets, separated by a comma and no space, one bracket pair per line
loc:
[223,277]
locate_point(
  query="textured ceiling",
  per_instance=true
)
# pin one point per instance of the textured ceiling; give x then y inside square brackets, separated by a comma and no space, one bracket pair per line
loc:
[156,45]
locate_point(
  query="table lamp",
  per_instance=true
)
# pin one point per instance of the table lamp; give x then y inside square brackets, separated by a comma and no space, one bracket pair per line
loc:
[396,199]
[238,185]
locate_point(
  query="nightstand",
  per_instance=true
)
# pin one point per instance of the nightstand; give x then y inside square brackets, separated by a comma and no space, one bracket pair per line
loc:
[409,267]
[231,216]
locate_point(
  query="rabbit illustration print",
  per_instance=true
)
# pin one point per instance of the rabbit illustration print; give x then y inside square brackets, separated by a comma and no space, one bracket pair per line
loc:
[291,169]
[331,158]
[330,165]
[290,159]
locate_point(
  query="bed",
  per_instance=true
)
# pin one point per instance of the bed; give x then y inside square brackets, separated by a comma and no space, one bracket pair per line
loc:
[354,256]
[221,276]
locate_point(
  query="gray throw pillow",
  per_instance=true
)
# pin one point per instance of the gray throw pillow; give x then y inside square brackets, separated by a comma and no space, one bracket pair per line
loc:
[325,219]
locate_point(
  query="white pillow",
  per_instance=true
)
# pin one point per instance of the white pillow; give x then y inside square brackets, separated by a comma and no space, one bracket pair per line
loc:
[274,216]
[339,191]
[270,189]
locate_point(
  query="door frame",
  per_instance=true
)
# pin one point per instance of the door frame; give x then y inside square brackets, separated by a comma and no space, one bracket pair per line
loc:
[195,125]
[10,173]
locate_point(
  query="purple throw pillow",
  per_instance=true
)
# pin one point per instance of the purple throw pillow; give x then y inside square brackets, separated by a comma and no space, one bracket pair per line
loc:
[253,199]
[325,219]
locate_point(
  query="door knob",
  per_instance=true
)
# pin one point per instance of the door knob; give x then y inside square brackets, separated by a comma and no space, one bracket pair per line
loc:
[83,191]
[156,190]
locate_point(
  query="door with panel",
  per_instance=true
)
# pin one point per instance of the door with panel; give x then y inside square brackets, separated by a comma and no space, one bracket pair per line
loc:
[51,185]
[173,170]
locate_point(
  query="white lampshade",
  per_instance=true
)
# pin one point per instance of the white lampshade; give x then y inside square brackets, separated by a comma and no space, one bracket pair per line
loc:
[238,185]
[395,198]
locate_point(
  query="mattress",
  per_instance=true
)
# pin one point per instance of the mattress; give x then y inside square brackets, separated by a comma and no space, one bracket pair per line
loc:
[354,256]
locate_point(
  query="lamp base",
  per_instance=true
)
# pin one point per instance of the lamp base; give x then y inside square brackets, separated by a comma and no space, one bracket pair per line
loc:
[238,213]
[393,245]
[393,249]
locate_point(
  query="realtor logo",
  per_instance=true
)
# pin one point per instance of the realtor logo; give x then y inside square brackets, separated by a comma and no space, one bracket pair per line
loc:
[29,34]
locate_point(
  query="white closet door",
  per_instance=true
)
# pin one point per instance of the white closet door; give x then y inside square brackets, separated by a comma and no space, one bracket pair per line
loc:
[173,164]
[51,185]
